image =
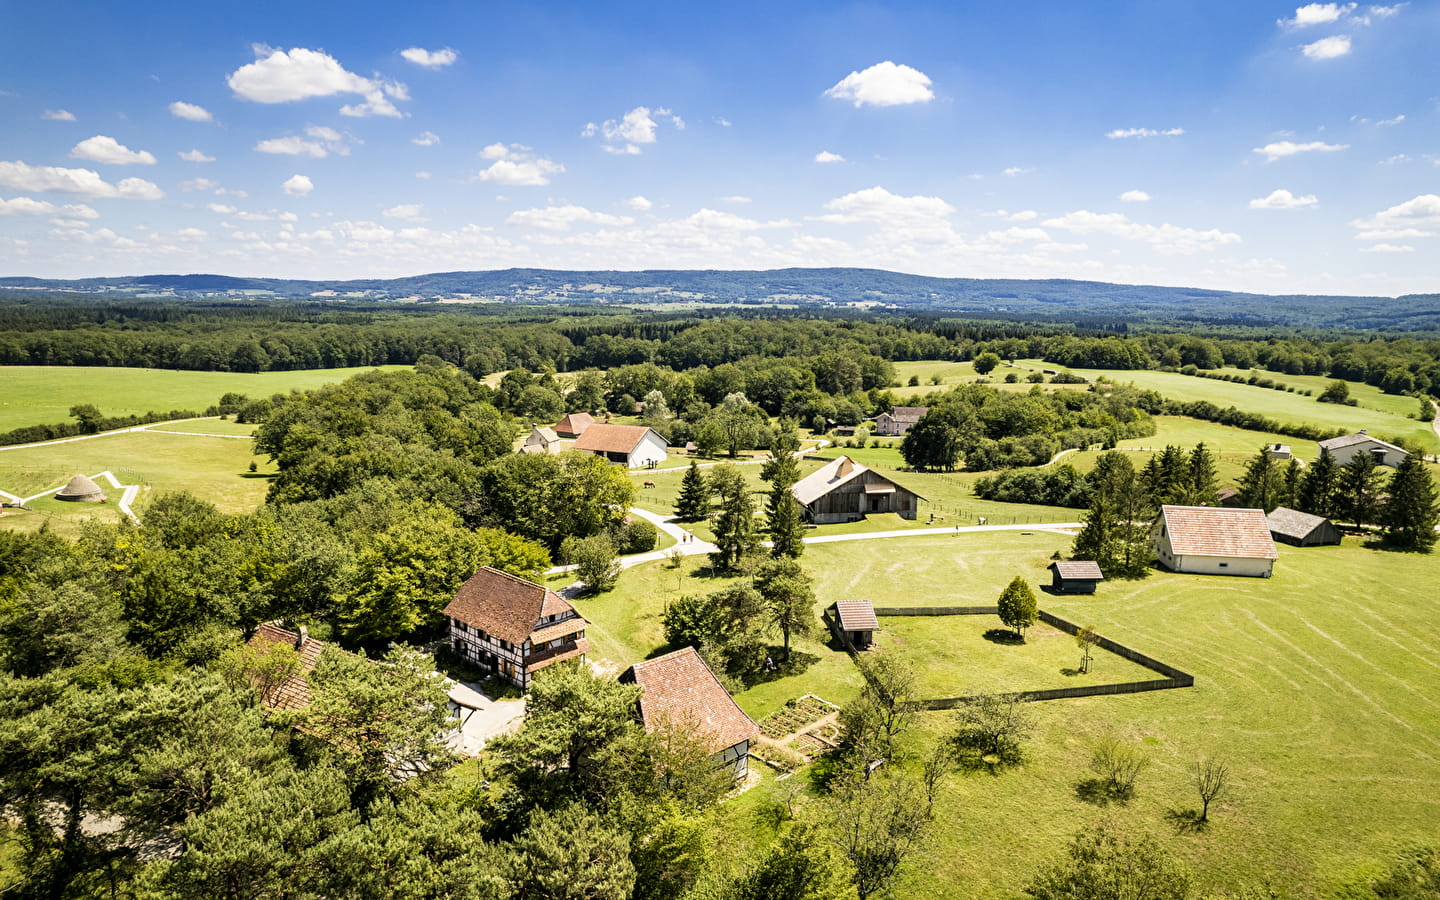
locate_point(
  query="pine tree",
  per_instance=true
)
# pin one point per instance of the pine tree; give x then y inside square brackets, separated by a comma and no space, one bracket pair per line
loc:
[735,537]
[1319,486]
[1117,528]
[693,503]
[1412,512]
[1357,491]
[782,511]
[1166,476]
[1017,605]
[1203,486]
[1291,489]
[1262,484]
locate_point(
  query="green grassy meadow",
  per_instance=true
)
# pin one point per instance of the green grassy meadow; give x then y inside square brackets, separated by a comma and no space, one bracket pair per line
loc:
[43,395]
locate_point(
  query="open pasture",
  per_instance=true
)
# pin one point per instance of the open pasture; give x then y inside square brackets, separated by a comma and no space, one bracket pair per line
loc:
[43,395]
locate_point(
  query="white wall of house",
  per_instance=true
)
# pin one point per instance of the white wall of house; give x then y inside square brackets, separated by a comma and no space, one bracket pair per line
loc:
[652,448]
[1212,565]
[1386,456]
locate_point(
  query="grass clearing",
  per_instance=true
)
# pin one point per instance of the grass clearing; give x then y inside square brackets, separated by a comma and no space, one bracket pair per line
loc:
[43,395]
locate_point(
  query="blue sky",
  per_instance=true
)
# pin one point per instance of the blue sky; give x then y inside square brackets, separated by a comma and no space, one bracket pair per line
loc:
[1244,145]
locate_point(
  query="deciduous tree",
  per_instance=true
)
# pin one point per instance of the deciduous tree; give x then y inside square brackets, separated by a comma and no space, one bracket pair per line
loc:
[1017,606]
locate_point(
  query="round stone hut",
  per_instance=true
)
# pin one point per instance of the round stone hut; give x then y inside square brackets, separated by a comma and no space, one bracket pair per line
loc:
[81,490]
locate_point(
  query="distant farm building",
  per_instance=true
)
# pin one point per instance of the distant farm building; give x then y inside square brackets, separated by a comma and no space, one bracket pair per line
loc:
[514,627]
[857,620]
[1228,497]
[1278,451]
[679,691]
[898,420]
[1301,529]
[1075,576]
[541,440]
[632,446]
[1209,540]
[293,691]
[81,489]
[845,491]
[1344,448]
[574,425]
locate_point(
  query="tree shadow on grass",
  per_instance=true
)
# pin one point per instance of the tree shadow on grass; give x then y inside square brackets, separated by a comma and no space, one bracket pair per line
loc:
[795,664]
[1100,792]
[268,476]
[1004,636]
[1186,821]
[1070,672]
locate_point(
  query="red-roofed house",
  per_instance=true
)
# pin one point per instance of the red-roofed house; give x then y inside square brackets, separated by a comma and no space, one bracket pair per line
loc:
[632,446]
[679,690]
[513,626]
[1214,540]
[574,425]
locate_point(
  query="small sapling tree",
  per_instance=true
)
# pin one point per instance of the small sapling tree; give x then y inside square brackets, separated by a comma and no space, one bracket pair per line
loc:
[1017,606]
[1086,639]
[1211,778]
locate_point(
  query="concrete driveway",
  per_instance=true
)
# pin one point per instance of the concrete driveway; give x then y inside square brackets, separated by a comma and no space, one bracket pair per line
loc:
[481,718]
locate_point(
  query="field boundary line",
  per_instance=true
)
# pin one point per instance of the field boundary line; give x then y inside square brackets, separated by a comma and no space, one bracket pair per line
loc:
[127,430]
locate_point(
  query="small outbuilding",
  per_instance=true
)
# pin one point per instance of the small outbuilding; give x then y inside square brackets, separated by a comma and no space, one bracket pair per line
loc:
[1075,576]
[845,491]
[574,425]
[632,446]
[541,441]
[81,489]
[857,620]
[1278,451]
[1212,540]
[1301,528]
[1346,447]
[678,690]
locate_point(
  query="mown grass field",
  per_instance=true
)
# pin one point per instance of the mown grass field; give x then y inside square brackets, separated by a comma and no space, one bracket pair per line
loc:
[1320,686]
[43,395]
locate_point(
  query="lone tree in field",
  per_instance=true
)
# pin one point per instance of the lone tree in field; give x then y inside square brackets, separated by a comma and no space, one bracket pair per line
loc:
[1211,778]
[87,416]
[985,363]
[1017,606]
[1118,765]
[1086,639]
[1335,392]
[693,503]
[789,598]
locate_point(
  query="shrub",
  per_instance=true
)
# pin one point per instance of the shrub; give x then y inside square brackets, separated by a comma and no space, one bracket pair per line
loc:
[636,536]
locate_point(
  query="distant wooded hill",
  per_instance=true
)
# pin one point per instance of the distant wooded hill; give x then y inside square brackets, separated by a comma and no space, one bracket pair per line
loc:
[1047,299]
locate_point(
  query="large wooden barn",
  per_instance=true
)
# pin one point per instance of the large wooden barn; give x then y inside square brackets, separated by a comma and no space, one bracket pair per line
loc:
[1300,528]
[845,491]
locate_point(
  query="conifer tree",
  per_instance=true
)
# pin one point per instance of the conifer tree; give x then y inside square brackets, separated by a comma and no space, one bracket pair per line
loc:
[1319,486]
[1262,484]
[1291,489]
[1166,476]
[693,503]
[1357,492]
[735,537]
[1411,513]
[1203,487]
[1117,527]
[782,511]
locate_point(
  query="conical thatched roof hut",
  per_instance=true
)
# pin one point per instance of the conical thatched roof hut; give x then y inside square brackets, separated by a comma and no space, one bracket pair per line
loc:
[81,490]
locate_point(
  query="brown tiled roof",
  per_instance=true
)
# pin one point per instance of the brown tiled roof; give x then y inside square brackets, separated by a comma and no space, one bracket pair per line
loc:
[1083,569]
[680,689]
[911,414]
[1218,531]
[538,661]
[574,424]
[293,692]
[506,606]
[856,615]
[612,438]
[1293,522]
[558,629]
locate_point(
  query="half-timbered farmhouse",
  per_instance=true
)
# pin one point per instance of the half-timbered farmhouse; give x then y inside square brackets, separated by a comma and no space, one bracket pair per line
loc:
[541,440]
[1212,540]
[899,419]
[1300,528]
[680,691]
[574,425]
[632,446]
[514,627]
[845,491]
[1344,448]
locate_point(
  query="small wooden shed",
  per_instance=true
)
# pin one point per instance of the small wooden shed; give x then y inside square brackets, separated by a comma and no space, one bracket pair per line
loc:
[857,620]
[1075,576]
[1301,529]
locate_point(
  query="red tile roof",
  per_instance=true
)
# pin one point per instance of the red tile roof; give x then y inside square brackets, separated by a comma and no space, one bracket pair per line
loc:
[1218,531]
[680,689]
[293,692]
[574,424]
[856,615]
[507,606]
[612,438]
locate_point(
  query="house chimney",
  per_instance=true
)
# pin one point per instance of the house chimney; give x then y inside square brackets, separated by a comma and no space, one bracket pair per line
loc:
[1363,431]
[302,638]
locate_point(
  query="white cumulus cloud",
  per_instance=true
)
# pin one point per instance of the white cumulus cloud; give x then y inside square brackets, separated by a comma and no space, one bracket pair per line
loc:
[321,143]
[1328,48]
[430,59]
[426,139]
[199,184]
[86,182]
[105,149]
[298,185]
[182,110]
[561,218]
[639,204]
[1282,149]
[1283,199]
[1421,210]
[1134,197]
[281,76]
[825,156]
[1165,238]
[195,156]
[735,198]
[25,206]
[411,212]
[630,132]
[58,115]
[879,205]
[884,84]
[1388,248]
[515,164]
[1316,14]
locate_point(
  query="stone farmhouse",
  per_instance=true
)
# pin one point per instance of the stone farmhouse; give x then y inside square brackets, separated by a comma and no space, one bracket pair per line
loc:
[680,691]
[1344,448]
[845,491]
[514,627]
[574,425]
[632,446]
[899,419]
[1214,540]
[1301,529]
[541,440]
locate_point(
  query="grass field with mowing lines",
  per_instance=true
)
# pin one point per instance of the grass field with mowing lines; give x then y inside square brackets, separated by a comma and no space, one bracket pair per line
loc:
[43,395]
